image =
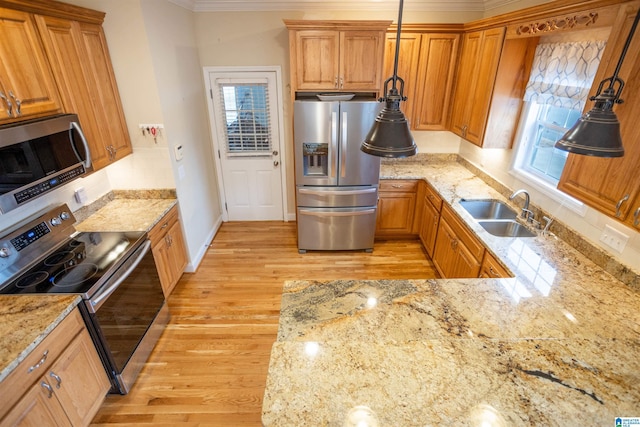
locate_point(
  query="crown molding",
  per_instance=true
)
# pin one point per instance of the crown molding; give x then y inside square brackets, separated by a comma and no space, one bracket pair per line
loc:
[314,5]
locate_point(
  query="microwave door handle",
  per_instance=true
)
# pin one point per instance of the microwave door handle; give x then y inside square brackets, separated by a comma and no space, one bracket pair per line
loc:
[95,303]
[86,162]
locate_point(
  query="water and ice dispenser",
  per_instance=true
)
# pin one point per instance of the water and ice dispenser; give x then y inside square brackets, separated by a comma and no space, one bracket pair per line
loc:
[315,159]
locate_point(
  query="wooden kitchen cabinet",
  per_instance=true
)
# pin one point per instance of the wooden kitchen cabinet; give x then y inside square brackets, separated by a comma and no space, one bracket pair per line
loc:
[457,253]
[396,208]
[27,87]
[491,268]
[477,71]
[427,65]
[63,377]
[336,56]
[82,66]
[169,251]
[432,205]
[612,185]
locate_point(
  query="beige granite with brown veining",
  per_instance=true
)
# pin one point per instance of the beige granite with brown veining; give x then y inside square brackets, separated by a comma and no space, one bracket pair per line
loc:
[127,215]
[25,321]
[557,344]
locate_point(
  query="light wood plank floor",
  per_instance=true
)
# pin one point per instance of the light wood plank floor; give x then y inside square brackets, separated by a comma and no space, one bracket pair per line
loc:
[210,365]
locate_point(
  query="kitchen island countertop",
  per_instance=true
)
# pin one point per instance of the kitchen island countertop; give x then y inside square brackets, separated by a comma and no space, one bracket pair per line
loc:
[558,344]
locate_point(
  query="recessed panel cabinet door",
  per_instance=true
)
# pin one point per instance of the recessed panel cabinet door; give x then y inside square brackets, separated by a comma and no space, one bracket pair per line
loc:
[360,54]
[407,66]
[318,59]
[26,83]
[611,185]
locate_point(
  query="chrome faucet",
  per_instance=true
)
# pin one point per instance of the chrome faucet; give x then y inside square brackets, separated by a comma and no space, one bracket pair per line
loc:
[526,213]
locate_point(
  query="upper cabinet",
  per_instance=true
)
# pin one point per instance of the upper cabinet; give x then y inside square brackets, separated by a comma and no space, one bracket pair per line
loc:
[336,56]
[55,60]
[476,77]
[82,67]
[612,186]
[426,63]
[27,88]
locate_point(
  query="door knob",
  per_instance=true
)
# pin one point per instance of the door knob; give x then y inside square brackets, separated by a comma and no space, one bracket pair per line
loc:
[276,163]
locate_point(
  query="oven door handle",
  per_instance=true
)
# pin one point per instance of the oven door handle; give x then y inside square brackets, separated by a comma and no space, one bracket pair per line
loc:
[95,303]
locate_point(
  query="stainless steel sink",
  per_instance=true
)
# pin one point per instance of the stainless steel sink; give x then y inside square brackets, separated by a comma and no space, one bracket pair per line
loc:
[506,228]
[488,209]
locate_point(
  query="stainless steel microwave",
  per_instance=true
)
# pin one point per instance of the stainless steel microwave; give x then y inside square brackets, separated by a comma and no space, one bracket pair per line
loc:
[37,156]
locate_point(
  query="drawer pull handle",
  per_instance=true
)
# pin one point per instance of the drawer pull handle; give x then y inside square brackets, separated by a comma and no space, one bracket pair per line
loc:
[493,272]
[40,362]
[57,378]
[164,225]
[48,388]
[636,217]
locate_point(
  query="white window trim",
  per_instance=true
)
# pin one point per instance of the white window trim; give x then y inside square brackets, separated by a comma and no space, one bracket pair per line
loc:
[533,180]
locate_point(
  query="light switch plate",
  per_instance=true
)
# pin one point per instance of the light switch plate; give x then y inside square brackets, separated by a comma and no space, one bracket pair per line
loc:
[613,238]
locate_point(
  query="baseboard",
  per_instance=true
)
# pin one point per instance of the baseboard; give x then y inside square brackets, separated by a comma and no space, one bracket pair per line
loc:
[192,266]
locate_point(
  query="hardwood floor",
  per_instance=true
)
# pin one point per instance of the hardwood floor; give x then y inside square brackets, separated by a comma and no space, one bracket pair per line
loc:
[210,365]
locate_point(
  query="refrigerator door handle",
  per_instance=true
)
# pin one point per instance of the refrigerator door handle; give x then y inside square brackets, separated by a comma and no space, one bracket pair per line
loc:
[330,213]
[343,145]
[334,144]
[338,192]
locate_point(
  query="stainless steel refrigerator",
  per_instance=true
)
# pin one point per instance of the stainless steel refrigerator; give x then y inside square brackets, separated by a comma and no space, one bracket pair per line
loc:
[336,183]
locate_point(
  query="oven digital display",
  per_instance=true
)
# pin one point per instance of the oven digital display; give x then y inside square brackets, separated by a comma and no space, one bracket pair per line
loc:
[25,239]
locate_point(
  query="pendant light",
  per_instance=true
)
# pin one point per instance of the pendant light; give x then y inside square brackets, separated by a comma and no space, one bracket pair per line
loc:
[597,133]
[390,136]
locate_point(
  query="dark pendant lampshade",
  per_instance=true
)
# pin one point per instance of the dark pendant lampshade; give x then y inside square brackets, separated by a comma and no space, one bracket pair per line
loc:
[390,136]
[597,133]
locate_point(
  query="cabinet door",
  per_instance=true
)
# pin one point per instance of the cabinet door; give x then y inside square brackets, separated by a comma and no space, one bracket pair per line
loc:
[611,185]
[79,380]
[25,77]
[317,59]
[429,227]
[444,252]
[407,67]
[37,408]
[395,213]
[474,85]
[438,54]
[491,268]
[105,97]
[465,82]
[485,75]
[361,60]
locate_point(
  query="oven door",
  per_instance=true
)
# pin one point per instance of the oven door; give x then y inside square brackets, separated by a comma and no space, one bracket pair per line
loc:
[127,316]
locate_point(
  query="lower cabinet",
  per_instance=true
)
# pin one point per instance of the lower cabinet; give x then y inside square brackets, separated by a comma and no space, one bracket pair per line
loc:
[169,251]
[431,207]
[491,268]
[457,252]
[396,208]
[64,385]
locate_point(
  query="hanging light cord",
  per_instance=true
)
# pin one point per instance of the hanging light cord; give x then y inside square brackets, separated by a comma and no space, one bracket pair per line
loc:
[615,78]
[395,63]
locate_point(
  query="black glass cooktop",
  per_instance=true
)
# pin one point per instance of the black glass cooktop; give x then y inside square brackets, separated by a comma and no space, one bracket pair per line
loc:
[80,265]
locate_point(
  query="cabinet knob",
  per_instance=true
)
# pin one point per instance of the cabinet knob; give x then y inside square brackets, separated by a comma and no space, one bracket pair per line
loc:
[9,104]
[18,103]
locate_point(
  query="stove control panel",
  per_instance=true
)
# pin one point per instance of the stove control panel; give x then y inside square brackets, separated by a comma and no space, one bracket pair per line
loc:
[32,238]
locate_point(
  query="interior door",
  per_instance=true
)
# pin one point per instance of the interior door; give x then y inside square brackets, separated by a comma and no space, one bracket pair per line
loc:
[245,119]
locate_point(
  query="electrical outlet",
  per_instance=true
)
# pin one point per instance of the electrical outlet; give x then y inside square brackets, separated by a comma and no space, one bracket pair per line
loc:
[614,239]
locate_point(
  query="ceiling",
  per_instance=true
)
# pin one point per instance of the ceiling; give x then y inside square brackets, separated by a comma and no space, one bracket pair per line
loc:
[369,5]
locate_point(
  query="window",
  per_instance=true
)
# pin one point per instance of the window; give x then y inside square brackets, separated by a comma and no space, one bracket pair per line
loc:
[561,76]
[246,114]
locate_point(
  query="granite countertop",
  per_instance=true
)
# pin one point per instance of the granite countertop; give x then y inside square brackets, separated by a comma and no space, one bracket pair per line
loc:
[557,344]
[127,215]
[25,321]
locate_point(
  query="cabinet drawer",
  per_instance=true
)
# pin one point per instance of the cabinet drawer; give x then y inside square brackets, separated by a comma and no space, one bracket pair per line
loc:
[433,197]
[399,185]
[160,229]
[463,233]
[37,362]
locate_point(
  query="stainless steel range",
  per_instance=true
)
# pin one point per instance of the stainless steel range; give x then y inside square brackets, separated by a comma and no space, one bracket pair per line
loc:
[123,304]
